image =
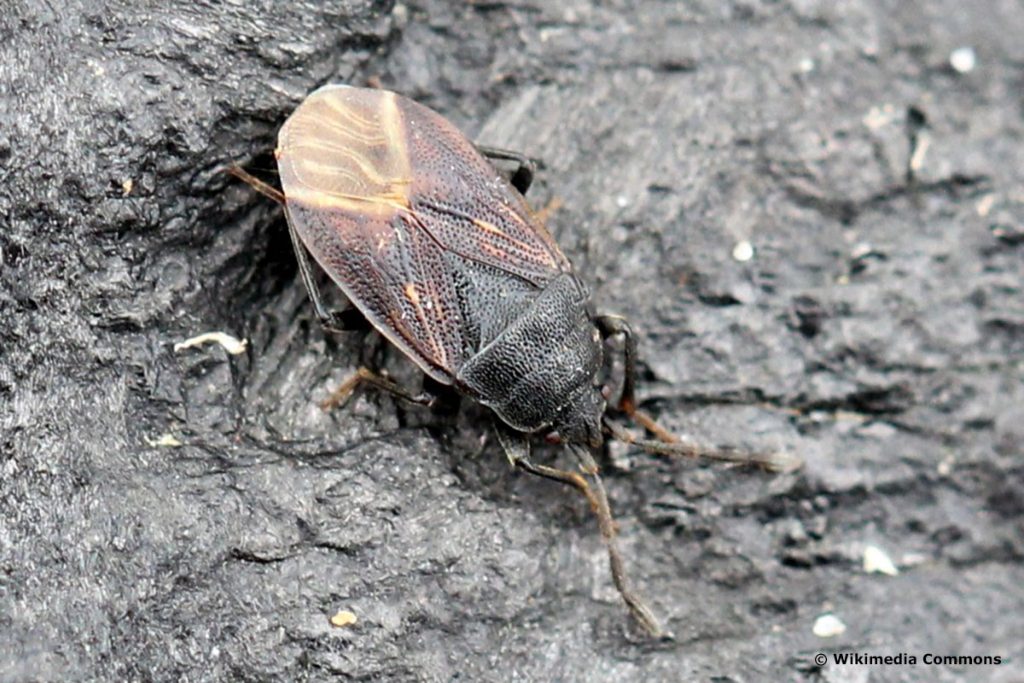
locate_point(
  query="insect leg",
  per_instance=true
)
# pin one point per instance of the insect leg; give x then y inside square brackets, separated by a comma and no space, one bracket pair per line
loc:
[668,443]
[773,461]
[637,606]
[331,321]
[256,184]
[365,376]
[609,326]
[525,168]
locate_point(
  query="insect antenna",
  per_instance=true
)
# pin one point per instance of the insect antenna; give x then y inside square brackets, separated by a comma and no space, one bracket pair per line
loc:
[773,461]
[599,503]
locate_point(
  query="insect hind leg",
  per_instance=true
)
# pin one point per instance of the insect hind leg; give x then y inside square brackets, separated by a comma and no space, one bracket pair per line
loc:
[255,183]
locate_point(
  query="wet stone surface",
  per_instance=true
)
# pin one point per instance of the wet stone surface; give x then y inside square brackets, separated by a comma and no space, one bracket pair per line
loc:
[811,215]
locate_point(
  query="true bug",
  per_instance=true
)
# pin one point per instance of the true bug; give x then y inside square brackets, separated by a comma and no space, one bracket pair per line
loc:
[439,251]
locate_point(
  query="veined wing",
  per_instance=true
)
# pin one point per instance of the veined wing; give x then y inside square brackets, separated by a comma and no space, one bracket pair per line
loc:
[382,191]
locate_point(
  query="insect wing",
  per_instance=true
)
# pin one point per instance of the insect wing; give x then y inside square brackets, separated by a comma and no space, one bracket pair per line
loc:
[394,275]
[383,192]
[468,207]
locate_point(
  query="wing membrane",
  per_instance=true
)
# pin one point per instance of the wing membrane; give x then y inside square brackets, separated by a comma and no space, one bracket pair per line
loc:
[385,193]
[396,275]
[468,207]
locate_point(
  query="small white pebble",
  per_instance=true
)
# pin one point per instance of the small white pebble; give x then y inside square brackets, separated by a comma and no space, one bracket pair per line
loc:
[622,201]
[806,65]
[231,344]
[861,249]
[400,14]
[828,626]
[963,60]
[945,468]
[917,159]
[876,561]
[743,251]
[913,559]
[877,117]
[984,204]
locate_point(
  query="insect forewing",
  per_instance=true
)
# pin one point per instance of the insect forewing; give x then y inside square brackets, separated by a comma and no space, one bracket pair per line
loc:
[396,205]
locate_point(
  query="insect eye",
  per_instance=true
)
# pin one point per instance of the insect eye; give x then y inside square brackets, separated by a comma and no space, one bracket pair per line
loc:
[553,438]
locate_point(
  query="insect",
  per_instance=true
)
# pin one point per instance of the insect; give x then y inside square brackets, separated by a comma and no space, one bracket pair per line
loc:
[441,254]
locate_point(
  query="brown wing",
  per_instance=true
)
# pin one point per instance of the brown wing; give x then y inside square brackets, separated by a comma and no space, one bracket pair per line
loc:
[383,191]
[468,207]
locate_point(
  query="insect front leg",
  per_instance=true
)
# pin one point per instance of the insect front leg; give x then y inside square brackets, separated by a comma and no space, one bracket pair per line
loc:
[772,461]
[612,325]
[609,326]
[598,500]
[521,175]
[668,443]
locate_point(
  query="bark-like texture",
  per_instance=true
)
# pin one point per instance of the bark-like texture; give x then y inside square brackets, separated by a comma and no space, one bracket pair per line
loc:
[878,332]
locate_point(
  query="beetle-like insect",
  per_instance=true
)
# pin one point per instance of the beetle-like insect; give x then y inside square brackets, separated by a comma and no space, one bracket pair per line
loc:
[440,252]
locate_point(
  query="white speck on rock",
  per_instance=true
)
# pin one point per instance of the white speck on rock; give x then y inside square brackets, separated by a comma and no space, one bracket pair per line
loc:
[963,60]
[828,626]
[877,561]
[743,251]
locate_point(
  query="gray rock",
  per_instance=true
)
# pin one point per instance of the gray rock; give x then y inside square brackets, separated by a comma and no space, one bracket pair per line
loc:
[877,332]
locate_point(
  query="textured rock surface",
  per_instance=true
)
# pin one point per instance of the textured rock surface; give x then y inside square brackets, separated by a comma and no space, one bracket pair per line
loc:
[878,331]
